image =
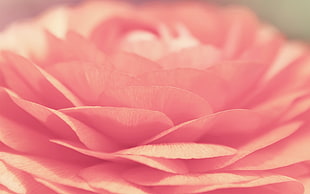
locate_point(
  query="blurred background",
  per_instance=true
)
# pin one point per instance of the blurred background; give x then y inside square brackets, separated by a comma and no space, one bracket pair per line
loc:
[290,16]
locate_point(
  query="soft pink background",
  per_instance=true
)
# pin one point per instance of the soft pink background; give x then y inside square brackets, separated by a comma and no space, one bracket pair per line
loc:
[289,16]
[12,10]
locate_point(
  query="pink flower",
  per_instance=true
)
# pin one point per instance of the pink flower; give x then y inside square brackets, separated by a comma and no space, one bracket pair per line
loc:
[110,97]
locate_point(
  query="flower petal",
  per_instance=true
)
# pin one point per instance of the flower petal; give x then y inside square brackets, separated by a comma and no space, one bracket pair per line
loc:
[294,73]
[107,177]
[22,132]
[26,140]
[84,150]
[127,126]
[73,48]
[20,182]
[209,31]
[298,109]
[180,150]
[23,111]
[198,57]
[132,64]
[33,83]
[290,150]
[266,184]
[261,141]
[88,80]
[224,128]
[241,27]
[85,17]
[167,165]
[205,84]
[265,48]
[58,188]
[179,105]
[108,35]
[266,139]
[242,78]
[152,177]
[173,166]
[5,190]
[163,182]
[306,182]
[55,171]
[63,125]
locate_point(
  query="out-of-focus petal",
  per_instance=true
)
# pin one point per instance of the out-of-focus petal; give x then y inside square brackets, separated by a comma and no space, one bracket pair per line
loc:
[199,57]
[58,188]
[241,25]
[109,34]
[132,64]
[73,47]
[85,17]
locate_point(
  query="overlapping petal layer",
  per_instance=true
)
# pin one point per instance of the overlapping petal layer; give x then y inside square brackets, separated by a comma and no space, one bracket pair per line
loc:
[153,98]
